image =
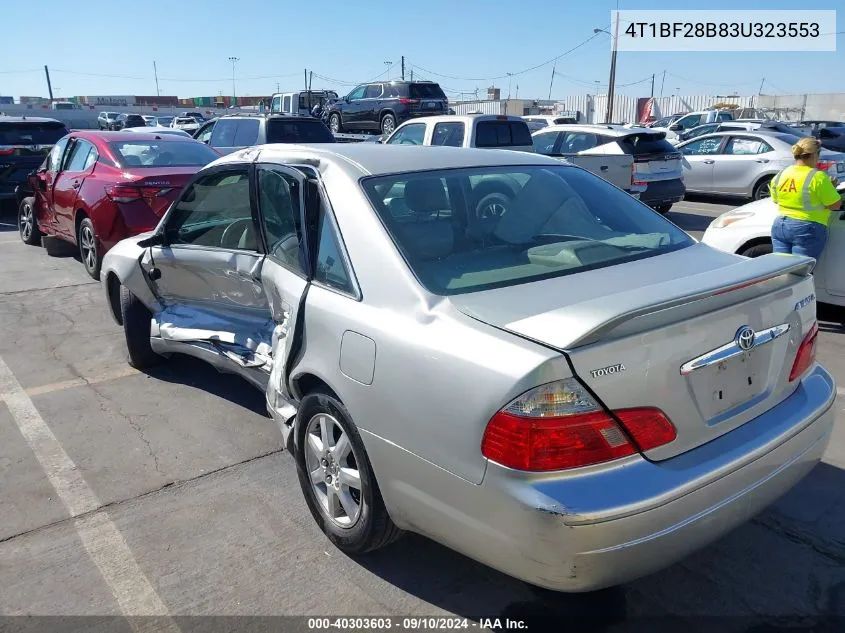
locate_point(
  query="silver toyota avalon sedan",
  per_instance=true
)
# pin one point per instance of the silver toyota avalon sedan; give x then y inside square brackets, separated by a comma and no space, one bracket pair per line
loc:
[570,390]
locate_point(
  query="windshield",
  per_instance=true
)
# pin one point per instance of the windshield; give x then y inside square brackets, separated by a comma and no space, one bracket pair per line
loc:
[553,221]
[281,131]
[24,133]
[163,153]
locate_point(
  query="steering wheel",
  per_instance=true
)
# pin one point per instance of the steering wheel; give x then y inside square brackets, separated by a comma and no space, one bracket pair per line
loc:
[230,232]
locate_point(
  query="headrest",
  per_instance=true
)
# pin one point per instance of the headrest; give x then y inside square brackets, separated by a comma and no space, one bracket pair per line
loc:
[425,195]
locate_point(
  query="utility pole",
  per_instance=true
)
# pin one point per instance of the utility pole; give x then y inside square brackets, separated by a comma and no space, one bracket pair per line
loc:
[234,61]
[661,83]
[510,76]
[155,72]
[49,85]
[412,73]
[611,89]
[305,75]
[403,68]
[277,87]
[310,79]
[554,66]
[652,85]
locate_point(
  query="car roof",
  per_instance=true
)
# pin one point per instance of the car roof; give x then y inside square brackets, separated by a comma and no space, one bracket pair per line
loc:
[26,119]
[465,118]
[607,130]
[268,115]
[372,159]
[120,135]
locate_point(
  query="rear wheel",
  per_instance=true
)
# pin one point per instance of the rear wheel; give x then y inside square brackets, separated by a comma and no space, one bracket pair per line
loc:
[337,480]
[27,226]
[388,124]
[663,209]
[335,124]
[761,190]
[87,241]
[136,329]
[757,250]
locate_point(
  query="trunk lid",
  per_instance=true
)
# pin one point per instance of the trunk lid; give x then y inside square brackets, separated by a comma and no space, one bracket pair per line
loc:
[159,186]
[670,340]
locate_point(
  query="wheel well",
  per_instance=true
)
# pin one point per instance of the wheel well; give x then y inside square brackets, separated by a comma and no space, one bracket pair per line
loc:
[113,292]
[757,241]
[307,383]
[761,180]
[384,113]
[80,215]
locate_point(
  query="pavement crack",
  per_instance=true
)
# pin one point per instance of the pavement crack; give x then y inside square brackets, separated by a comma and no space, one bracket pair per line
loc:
[833,550]
[51,289]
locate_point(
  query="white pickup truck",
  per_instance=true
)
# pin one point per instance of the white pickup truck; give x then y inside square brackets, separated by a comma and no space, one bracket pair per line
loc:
[491,131]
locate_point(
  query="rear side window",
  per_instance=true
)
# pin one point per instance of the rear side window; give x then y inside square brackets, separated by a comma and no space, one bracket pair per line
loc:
[502,134]
[638,144]
[22,133]
[451,134]
[247,132]
[425,91]
[281,131]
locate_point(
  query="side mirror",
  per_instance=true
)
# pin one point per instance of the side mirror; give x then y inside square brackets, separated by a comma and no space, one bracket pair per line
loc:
[156,239]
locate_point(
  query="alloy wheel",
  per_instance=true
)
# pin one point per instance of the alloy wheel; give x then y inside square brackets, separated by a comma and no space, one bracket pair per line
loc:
[388,125]
[26,221]
[334,124]
[333,470]
[88,247]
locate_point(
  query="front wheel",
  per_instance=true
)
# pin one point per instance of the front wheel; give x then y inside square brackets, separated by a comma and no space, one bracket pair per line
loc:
[27,226]
[86,238]
[757,250]
[335,124]
[336,478]
[762,189]
[136,319]
[388,124]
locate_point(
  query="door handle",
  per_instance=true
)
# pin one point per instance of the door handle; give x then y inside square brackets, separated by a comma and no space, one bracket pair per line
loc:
[75,184]
[762,160]
[708,162]
[603,167]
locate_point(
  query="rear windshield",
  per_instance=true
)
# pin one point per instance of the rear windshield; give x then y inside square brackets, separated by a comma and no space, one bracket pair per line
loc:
[163,153]
[502,134]
[425,91]
[646,144]
[281,131]
[22,133]
[458,237]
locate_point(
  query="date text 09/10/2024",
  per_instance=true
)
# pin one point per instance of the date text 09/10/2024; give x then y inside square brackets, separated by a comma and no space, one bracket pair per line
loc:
[413,624]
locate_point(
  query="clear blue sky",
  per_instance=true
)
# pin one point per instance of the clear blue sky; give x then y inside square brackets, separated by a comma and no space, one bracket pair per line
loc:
[99,48]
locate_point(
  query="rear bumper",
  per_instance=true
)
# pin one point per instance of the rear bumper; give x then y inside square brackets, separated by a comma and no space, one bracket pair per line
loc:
[664,192]
[594,529]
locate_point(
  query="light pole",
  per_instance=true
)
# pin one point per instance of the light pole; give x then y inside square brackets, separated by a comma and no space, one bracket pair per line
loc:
[510,75]
[387,65]
[234,61]
[611,88]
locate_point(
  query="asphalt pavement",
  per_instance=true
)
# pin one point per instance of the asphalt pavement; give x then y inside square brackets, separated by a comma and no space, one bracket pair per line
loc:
[168,493]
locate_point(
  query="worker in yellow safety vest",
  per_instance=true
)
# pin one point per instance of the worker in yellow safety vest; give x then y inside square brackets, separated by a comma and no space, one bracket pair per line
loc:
[805,196]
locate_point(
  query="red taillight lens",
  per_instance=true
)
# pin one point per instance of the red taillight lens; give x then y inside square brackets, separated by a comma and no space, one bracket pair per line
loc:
[560,426]
[406,101]
[7,151]
[824,165]
[129,193]
[806,355]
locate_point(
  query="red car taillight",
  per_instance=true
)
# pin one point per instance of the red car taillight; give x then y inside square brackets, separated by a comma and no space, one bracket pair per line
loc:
[824,165]
[806,355]
[128,193]
[559,425]
[406,101]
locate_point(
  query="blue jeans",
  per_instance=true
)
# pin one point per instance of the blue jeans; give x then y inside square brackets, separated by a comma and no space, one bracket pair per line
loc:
[798,237]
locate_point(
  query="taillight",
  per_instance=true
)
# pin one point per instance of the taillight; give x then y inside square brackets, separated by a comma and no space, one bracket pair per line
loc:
[559,425]
[406,101]
[824,165]
[129,193]
[806,355]
[7,151]
[635,181]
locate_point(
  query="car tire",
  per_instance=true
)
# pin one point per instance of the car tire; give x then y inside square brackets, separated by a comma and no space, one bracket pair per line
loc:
[761,189]
[492,205]
[354,523]
[27,224]
[136,329]
[335,123]
[663,209]
[388,124]
[86,240]
[757,250]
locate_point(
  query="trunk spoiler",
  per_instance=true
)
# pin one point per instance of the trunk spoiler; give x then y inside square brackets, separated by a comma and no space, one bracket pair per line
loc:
[590,321]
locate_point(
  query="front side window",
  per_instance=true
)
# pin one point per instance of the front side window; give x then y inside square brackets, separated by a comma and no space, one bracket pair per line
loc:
[79,156]
[451,134]
[358,93]
[574,142]
[279,204]
[413,134]
[215,212]
[558,221]
[163,153]
[703,146]
[276,104]
[205,135]
[746,146]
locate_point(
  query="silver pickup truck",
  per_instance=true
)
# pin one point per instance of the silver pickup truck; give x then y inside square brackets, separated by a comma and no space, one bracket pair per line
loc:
[491,131]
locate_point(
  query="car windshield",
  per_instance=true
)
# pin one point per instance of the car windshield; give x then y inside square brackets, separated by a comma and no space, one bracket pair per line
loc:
[163,153]
[31,133]
[465,230]
[281,131]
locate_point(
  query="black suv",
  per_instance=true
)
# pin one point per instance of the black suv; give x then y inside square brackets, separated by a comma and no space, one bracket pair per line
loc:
[232,132]
[24,144]
[129,120]
[380,107]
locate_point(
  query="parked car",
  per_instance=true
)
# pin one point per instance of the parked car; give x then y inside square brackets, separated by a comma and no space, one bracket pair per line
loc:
[656,172]
[665,122]
[107,120]
[193,115]
[743,163]
[125,120]
[611,396]
[694,119]
[189,124]
[163,121]
[301,103]
[814,126]
[487,131]
[380,107]
[545,120]
[747,230]
[96,188]
[24,144]
[157,130]
[232,132]
[149,119]
[832,138]
[709,128]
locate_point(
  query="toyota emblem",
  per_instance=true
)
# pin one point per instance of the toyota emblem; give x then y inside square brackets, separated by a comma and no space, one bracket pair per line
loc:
[745,338]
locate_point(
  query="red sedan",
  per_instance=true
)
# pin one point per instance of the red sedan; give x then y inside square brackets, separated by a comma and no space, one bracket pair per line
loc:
[97,188]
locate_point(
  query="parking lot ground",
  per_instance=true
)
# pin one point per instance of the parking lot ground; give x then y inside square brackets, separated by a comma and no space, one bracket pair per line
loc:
[168,493]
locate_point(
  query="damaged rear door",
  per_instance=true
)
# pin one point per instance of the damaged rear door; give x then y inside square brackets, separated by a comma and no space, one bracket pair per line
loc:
[207,275]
